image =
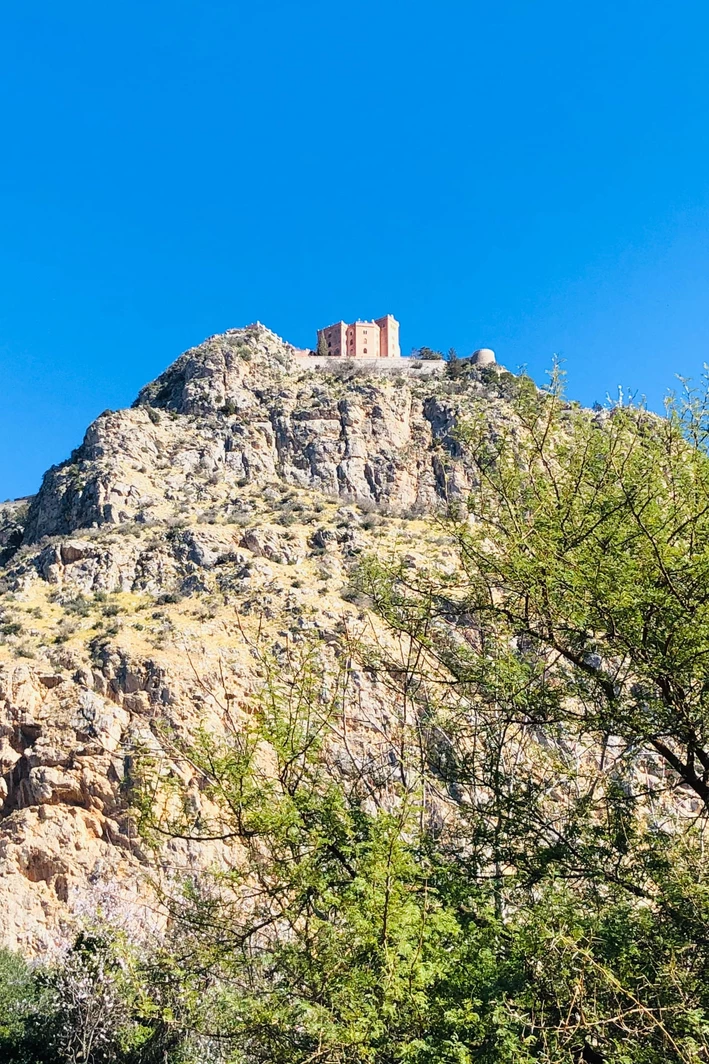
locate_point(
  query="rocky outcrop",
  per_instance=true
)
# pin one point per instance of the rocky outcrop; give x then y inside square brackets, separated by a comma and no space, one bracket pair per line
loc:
[13,518]
[224,374]
[240,409]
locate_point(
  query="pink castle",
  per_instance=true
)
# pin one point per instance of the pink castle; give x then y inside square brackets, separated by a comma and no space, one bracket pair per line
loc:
[362,339]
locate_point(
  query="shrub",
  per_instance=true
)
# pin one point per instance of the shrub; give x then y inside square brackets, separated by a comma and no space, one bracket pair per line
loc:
[78,606]
[455,367]
[17,1000]
[428,354]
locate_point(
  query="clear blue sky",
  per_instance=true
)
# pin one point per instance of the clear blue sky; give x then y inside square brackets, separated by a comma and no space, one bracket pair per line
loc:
[531,176]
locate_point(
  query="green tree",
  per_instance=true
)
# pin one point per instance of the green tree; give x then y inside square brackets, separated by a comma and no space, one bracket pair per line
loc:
[573,641]
[19,1003]
[454,367]
[331,935]
[591,543]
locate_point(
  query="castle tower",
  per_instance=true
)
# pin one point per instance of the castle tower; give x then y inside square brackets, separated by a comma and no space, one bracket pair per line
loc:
[389,333]
[334,338]
[484,356]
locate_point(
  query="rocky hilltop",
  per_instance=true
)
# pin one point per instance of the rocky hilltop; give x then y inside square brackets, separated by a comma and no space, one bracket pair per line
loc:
[238,491]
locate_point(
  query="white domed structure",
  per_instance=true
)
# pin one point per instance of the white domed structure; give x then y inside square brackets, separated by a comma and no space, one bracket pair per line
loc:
[483,357]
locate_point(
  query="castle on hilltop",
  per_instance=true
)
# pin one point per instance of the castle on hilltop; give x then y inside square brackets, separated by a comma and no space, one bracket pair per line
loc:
[361,339]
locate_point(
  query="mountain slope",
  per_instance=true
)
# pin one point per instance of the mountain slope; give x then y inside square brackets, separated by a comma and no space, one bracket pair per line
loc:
[229,504]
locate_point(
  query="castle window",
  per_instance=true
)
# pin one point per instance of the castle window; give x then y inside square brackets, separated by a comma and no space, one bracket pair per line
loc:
[365,350]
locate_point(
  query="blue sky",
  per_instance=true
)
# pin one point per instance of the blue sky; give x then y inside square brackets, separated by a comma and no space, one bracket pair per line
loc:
[531,176]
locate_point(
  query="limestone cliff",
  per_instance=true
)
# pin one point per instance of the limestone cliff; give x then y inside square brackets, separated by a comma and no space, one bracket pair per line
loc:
[242,483]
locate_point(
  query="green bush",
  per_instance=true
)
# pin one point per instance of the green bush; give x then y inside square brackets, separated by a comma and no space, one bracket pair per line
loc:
[101,1004]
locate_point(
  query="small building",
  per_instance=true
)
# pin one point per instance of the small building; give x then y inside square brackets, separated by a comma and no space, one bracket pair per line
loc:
[361,339]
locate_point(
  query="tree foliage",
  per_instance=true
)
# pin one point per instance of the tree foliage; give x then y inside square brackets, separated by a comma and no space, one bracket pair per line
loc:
[574,636]
[102,1002]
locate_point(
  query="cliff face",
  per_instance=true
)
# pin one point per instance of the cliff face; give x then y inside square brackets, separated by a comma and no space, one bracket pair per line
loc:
[239,490]
[241,409]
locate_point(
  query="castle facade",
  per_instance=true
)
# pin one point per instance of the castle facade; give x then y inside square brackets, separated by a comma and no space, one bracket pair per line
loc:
[361,339]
